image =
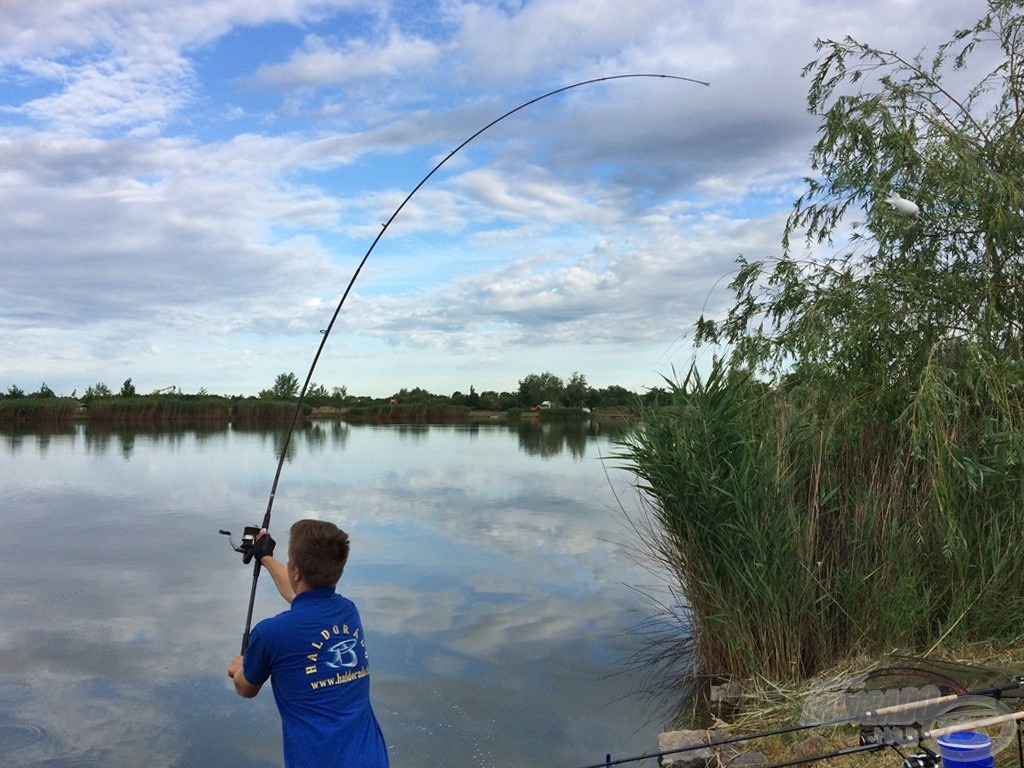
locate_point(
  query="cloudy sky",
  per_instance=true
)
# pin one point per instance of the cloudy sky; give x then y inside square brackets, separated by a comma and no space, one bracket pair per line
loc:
[187,187]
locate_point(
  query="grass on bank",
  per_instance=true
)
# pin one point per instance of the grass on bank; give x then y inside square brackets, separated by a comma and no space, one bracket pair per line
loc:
[764,705]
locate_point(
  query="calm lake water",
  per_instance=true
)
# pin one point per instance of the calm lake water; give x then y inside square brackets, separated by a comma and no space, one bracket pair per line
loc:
[487,562]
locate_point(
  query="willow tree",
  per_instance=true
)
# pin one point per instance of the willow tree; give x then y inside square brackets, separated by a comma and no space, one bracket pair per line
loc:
[891,124]
[849,477]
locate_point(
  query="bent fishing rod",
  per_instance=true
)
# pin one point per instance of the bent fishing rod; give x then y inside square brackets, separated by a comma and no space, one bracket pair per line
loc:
[251,532]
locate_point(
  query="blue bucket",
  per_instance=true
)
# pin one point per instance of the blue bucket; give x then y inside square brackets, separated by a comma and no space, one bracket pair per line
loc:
[966,749]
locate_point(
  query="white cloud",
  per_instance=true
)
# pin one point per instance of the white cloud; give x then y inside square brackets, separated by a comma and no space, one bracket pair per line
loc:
[151,203]
[319,62]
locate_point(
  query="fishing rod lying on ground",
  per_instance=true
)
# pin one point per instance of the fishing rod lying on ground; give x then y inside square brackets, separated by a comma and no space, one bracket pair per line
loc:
[252,531]
[894,736]
[926,759]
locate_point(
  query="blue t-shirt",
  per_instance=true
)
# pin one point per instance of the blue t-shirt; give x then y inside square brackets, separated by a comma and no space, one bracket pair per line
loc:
[315,656]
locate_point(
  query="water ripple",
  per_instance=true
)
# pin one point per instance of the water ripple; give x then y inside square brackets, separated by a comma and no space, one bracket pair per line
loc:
[14,737]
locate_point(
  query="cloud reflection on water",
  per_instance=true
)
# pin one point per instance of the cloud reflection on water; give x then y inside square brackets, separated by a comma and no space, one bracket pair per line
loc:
[490,580]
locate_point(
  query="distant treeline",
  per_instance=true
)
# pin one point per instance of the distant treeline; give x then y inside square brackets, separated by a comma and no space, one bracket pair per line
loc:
[249,412]
[542,395]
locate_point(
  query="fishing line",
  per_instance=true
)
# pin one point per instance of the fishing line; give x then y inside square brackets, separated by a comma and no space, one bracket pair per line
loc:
[326,332]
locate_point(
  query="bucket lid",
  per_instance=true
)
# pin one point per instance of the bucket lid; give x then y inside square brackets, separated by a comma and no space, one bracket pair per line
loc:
[965,740]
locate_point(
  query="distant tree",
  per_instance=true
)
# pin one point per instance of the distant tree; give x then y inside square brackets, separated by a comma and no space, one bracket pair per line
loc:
[490,401]
[127,389]
[535,388]
[473,401]
[458,398]
[317,394]
[914,282]
[45,391]
[14,391]
[656,396]
[575,392]
[338,394]
[286,387]
[415,395]
[614,396]
[97,391]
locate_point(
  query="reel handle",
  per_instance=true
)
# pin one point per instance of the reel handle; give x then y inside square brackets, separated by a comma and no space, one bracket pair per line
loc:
[249,535]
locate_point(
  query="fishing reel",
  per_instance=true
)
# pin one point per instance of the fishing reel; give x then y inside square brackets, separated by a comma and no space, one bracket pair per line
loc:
[248,539]
[924,759]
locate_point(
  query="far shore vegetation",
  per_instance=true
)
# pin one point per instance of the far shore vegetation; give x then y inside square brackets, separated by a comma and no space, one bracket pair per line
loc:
[544,396]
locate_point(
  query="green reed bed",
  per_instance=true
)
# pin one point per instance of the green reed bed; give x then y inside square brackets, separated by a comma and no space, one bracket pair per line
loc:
[411,413]
[805,523]
[38,411]
[259,412]
[159,409]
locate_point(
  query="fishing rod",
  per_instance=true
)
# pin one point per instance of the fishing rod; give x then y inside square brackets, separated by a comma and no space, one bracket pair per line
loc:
[251,532]
[871,742]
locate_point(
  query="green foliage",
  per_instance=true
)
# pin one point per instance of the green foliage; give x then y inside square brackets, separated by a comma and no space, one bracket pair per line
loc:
[257,412]
[722,523]
[536,388]
[868,496]
[574,394]
[562,413]
[613,396]
[96,391]
[421,412]
[37,409]
[417,395]
[159,409]
[276,405]
[490,401]
[318,396]
[800,536]
[286,387]
[905,284]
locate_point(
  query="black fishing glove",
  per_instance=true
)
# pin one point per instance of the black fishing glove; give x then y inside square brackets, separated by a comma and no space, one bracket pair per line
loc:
[263,546]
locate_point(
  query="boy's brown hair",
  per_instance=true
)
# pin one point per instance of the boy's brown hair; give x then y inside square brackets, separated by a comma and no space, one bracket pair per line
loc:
[319,550]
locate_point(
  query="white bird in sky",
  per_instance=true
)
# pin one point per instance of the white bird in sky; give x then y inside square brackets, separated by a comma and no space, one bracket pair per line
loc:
[904,206]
